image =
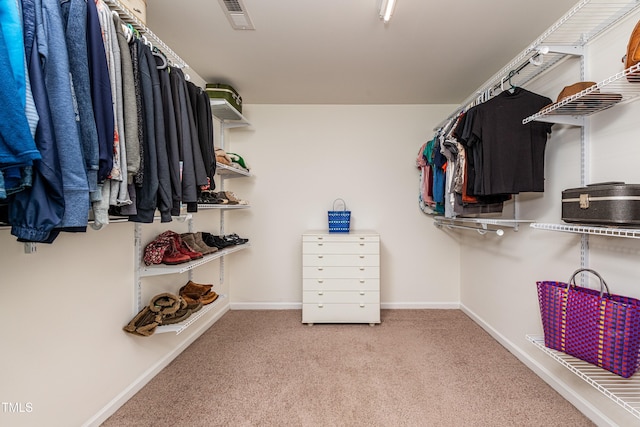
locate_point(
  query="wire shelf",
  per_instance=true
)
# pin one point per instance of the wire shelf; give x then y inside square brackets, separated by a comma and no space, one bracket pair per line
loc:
[161,269]
[624,391]
[586,229]
[128,17]
[227,113]
[617,89]
[206,206]
[230,172]
[181,326]
[565,38]
[478,224]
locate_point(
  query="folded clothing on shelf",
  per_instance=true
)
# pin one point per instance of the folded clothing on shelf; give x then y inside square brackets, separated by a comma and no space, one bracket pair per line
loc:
[231,159]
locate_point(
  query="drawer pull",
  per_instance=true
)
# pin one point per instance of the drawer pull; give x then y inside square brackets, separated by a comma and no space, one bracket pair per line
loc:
[320,281]
[320,305]
[361,280]
[361,293]
[361,244]
[320,269]
[361,268]
[319,244]
[362,256]
[320,293]
[361,305]
[320,237]
[320,256]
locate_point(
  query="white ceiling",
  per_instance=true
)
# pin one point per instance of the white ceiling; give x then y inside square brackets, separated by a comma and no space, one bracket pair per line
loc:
[340,52]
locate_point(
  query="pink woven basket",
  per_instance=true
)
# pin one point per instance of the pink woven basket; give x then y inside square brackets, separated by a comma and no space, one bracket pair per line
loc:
[596,326]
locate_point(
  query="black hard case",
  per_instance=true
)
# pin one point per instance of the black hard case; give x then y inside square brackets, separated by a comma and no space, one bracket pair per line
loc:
[610,203]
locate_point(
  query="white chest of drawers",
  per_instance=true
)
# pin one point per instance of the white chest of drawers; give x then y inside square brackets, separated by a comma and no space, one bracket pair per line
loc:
[341,277]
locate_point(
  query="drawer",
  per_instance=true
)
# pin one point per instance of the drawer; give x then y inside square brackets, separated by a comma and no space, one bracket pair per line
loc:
[366,284]
[322,272]
[346,237]
[340,248]
[341,297]
[341,313]
[343,260]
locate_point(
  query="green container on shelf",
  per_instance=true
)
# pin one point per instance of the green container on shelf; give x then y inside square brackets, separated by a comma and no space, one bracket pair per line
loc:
[223,91]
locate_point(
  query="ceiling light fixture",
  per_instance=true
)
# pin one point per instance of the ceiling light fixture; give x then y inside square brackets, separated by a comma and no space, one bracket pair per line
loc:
[386,10]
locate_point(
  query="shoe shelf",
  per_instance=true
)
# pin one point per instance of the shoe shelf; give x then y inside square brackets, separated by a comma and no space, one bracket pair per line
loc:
[586,229]
[624,391]
[181,326]
[227,114]
[162,269]
[227,171]
[601,96]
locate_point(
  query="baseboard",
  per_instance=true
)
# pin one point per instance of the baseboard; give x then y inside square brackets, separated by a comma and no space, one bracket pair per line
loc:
[266,306]
[420,305]
[387,305]
[588,409]
[141,381]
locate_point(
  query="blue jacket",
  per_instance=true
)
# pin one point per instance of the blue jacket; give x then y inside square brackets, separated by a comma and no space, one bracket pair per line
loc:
[55,62]
[74,15]
[17,147]
[36,211]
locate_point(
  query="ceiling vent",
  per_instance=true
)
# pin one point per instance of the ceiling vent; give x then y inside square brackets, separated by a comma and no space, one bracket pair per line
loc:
[236,14]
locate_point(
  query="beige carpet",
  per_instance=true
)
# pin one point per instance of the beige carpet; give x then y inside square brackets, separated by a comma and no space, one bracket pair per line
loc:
[417,368]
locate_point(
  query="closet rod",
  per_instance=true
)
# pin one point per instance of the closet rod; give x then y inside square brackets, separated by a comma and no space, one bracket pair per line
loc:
[482,231]
[130,18]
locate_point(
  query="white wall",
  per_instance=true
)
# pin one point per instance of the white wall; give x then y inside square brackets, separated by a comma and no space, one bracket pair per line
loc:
[63,348]
[304,157]
[498,281]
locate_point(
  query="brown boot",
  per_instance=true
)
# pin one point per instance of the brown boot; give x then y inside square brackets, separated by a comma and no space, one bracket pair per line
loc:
[195,288]
[200,242]
[144,323]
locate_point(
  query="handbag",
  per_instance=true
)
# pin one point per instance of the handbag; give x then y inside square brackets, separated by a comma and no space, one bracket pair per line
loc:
[633,54]
[593,325]
[339,221]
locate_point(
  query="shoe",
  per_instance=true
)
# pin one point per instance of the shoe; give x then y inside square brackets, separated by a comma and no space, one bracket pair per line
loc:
[165,303]
[213,240]
[195,242]
[234,239]
[208,298]
[144,323]
[194,292]
[181,314]
[172,256]
[195,288]
[200,242]
[184,249]
[193,305]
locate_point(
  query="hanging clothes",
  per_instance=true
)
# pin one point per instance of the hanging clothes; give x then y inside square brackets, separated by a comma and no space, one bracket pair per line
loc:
[35,212]
[17,146]
[54,59]
[201,107]
[74,16]
[512,155]
[171,133]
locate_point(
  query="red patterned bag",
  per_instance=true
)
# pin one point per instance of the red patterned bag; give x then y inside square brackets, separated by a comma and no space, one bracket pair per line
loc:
[596,326]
